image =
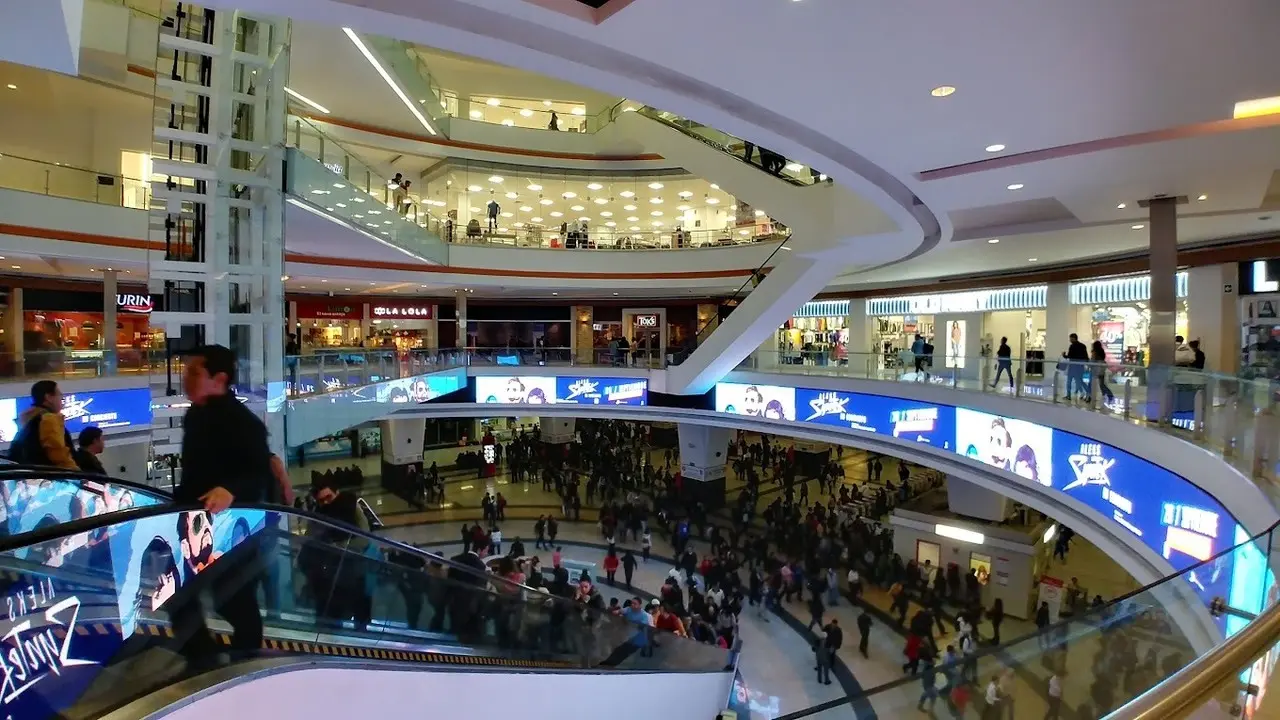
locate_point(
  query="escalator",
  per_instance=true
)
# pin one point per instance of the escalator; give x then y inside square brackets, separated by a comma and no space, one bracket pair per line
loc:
[105,609]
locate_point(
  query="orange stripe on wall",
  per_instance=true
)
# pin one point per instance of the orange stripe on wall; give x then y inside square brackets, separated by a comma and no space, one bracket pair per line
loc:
[77,237]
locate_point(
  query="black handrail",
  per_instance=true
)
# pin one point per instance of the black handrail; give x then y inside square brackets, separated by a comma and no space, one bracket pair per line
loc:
[40,472]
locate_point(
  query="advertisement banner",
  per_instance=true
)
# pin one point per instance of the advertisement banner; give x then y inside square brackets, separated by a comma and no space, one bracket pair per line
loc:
[956,330]
[1017,446]
[106,409]
[1111,335]
[602,391]
[767,401]
[918,422]
[512,390]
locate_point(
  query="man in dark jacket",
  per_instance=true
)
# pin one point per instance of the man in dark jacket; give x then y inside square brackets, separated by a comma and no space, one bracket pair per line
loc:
[1077,357]
[90,447]
[225,459]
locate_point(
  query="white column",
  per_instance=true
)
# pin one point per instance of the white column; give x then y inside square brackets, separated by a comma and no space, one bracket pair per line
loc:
[1213,315]
[704,452]
[1060,322]
[460,315]
[859,330]
[110,287]
[220,270]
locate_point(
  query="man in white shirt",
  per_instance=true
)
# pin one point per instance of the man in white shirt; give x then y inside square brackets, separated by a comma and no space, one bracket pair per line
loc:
[495,541]
[1055,698]
[993,699]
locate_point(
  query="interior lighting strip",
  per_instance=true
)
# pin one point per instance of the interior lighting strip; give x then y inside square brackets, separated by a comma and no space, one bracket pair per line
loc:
[349,226]
[387,76]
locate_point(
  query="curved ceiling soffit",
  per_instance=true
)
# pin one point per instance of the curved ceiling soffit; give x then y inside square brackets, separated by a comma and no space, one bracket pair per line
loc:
[387,18]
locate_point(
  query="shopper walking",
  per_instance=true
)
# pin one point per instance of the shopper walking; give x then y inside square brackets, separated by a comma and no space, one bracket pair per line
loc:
[1004,362]
[864,633]
[1098,369]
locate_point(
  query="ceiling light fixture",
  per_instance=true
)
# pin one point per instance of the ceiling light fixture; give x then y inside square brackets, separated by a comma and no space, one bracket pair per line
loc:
[295,95]
[534,187]
[11,86]
[611,224]
[547,103]
[526,113]
[995,148]
[1122,206]
[657,223]
[508,214]
[601,201]
[569,195]
[584,218]
[1033,259]
[628,207]
[577,208]
[476,114]
[557,213]
[474,188]
[536,219]
[795,167]
[525,208]
[417,114]
[579,111]
[493,102]
[627,194]
[633,218]
[713,201]
[656,213]
[594,186]
[715,186]
[1016,186]
[1202,198]
[634,228]
[1246,108]
[942,91]
[512,196]
[993,241]
[545,201]
[655,201]
[1139,226]
[656,185]
[495,178]
[606,214]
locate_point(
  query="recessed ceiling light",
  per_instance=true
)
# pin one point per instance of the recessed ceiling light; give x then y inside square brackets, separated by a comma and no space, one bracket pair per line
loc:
[508,214]
[606,214]
[615,293]
[534,187]
[611,224]
[601,201]
[633,218]
[655,201]
[329,209]
[584,218]
[519,224]
[1016,186]
[495,178]
[474,188]
[685,194]
[579,111]
[493,102]
[1139,226]
[627,194]
[11,86]
[682,208]
[569,195]
[1033,259]
[656,213]
[556,213]
[1202,198]
[628,207]
[995,148]
[795,167]
[547,103]
[657,223]
[713,201]
[942,91]
[594,186]
[993,241]
[577,208]
[508,122]
[375,212]
[476,114]
[17,267]
[525,208]
[656,185]
[634,228]
[555,293]
[297,96]
[545,201]
[512,196]
[1122,206]
[526,113]
[715,186]
[536,219]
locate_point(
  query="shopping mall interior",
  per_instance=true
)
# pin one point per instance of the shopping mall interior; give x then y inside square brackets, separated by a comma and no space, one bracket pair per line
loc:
[556,346]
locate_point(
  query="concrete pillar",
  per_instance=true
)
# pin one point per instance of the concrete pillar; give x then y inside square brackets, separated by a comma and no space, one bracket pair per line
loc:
[13,343]
[1213,315]
[556,430]
[1060,322]
[969,500]
[402,456]
[859,325]
[460,315]
[366,322]
[704,452]
[110,280]
[582,339]
[1163,259]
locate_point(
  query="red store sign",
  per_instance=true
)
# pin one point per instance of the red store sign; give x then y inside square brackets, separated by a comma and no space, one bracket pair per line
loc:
[334,310]
[399,311]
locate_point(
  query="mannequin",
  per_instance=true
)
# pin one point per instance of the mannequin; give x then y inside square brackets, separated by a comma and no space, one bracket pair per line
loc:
[493,209]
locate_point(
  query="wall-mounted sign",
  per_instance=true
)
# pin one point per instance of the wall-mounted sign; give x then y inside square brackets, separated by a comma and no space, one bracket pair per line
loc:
[335,310]
[421,312]
[134,303]
[1259,277]
[646,321]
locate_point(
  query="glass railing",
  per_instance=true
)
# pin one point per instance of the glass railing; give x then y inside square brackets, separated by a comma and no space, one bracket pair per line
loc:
[1097,660]
[72,363]
[406,65]
[605,238]
[126,586]
[1239,418]
[74,183]
[527,114]
[328,177]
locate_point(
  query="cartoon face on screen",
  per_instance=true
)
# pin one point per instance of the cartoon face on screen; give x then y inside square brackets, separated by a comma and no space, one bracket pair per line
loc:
[515,391]
[399,395]
[158,576]
[419,391]
[195,531]
[999,446]
[1026,465]
[774,411]
[537,397]
[753,402]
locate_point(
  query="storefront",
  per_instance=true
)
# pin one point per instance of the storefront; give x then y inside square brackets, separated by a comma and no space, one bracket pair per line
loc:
[407,325]
[1116,311]
[72,322]
[328,323]
[818,334]
[1259,283]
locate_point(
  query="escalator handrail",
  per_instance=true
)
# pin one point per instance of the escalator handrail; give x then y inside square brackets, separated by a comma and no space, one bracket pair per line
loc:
[40,472]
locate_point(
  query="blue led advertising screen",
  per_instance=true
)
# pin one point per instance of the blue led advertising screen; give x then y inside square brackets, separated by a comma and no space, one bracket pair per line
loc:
[547,390]
[107,409]
[906,419]
[772,402]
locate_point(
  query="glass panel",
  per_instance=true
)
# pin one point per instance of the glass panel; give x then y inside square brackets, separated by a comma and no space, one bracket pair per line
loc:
[70,363]
[58,180]
[100,612]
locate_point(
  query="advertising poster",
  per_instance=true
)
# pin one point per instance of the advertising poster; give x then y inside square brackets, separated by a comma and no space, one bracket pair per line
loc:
[767,401]
[602,391]
[955,343]
[152,558]
[509,390]
[419,389]
[35,504]
[918,422]
[1111,335]
[104,408]
[1018,446]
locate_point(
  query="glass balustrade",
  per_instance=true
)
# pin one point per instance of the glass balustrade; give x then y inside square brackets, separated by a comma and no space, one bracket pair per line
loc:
[64,181]
[1238,418]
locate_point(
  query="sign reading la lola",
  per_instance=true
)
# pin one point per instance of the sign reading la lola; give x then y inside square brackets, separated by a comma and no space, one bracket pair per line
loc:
[134,303]
[401,311]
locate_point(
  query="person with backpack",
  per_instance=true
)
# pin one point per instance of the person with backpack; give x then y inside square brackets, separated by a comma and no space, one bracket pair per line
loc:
[43,439]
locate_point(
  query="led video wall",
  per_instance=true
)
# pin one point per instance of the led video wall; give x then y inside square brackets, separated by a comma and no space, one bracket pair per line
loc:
[574,390]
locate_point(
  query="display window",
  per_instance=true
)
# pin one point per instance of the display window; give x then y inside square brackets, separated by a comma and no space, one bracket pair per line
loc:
[83,331]
[814,341]
[330,333]
[927,551]
[1125,330]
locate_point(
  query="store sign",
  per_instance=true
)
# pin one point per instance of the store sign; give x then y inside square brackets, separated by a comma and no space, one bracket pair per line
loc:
[330,310]
[1035,296]
[134,303]
[422,312]
[646,321]
[1260,277]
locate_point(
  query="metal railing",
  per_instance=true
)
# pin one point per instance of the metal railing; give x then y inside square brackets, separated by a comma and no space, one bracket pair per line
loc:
[74,183]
